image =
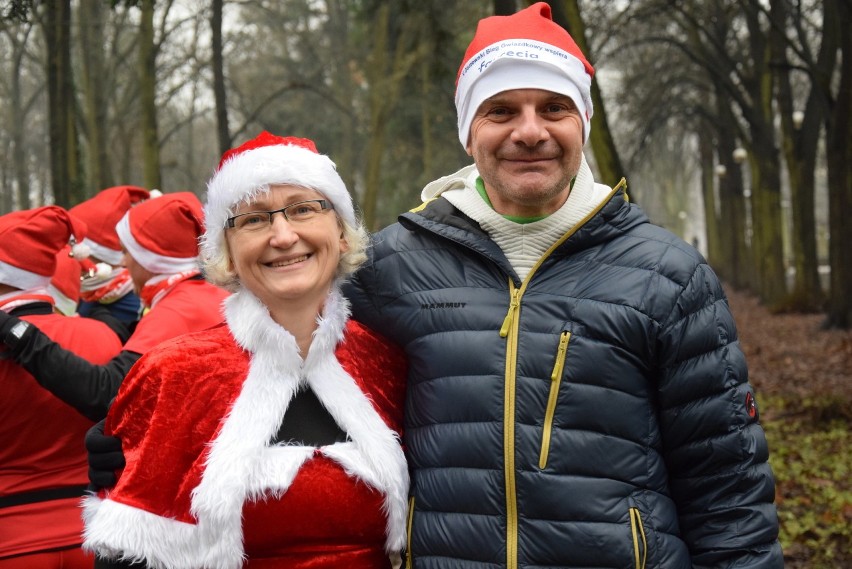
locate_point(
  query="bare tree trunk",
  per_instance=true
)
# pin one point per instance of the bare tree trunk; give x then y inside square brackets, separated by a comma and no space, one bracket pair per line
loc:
[91,45]
[338,13]
[219,92]
[839,157]
[800,149]
[733,219]
[767,237]
[63,147]
[567,14]
[505,7]
[148,97]
[17,114]
[711,220]
[386,75]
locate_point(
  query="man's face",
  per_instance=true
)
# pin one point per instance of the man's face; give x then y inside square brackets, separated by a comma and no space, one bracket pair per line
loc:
[527,145]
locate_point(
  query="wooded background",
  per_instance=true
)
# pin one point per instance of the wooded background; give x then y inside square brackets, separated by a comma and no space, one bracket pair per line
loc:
[729,119]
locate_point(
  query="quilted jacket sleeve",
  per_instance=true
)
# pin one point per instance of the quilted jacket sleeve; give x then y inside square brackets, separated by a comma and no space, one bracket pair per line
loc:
[715,448]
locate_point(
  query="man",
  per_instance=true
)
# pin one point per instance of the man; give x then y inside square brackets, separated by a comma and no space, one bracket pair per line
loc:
[577,396]
[42,463]
[160,242]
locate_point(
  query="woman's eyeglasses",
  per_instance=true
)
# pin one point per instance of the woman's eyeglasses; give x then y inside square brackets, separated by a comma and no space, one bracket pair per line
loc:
[294,213]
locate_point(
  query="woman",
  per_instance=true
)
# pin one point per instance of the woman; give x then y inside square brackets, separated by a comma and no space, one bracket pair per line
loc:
[271,440]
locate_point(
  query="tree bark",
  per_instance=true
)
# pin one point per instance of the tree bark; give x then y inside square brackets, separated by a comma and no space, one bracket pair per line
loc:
[219,91]
[567,14]
[839,158]
[148,97]
[800,150]
[62,131]
[94,72]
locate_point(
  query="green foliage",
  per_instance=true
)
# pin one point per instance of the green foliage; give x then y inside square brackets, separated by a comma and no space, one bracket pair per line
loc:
[809,441]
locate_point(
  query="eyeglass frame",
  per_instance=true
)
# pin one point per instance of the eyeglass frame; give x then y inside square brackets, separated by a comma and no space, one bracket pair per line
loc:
[325,205]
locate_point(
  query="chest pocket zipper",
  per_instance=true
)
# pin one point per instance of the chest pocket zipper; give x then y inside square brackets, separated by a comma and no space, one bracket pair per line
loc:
[640,544]
[555,382]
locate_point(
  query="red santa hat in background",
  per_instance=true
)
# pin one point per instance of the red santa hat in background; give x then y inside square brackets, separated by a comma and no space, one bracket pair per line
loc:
[162,234]
[526,50]
[101,213]
[64,285]
[29,242]
[248,170]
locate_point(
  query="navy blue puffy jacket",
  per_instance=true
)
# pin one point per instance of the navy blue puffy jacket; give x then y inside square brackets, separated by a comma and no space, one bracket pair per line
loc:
[597,414]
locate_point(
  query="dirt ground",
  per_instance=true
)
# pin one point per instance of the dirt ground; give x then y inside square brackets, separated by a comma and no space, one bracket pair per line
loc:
[789,354]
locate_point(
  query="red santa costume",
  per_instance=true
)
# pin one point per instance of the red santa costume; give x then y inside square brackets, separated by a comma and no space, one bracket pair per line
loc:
[207,486]
[43,470]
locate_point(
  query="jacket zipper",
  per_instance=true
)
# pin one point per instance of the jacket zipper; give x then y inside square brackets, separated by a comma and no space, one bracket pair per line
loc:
[409,561]
[640,544]
[509,330]
[555,382]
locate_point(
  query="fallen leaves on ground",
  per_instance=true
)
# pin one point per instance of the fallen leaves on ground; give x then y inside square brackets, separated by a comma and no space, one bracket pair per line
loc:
[803,378]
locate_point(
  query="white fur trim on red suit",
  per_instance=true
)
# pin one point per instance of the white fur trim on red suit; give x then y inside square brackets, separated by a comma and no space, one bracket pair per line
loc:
[240,465]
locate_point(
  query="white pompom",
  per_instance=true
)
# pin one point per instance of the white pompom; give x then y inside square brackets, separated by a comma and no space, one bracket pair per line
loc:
[155,193]
[102,270]
[80,251]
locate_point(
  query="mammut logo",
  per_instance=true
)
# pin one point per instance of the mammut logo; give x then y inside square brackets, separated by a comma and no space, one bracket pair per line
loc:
[439,305]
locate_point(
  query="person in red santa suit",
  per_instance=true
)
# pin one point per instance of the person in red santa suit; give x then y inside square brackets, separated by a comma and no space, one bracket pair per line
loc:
[272,440]
[160,242]
[42,459]
[107,289]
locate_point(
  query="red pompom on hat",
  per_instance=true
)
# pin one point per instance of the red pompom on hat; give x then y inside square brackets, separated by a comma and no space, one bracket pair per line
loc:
[29,242]
[101,213]
[248,170]
[162,234]
[526,50]
[64,285]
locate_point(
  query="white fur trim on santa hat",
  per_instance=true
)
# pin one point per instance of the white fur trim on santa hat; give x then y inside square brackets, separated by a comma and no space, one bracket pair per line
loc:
[246,175]
[62,303]
[241,465]
[521,64]
[21,279]
[102,252]
[158,264]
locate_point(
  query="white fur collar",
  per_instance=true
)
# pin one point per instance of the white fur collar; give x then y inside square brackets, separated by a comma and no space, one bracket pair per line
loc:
[241,465]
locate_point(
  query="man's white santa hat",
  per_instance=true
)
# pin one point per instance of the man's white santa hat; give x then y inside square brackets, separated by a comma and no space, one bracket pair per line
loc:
[526,50]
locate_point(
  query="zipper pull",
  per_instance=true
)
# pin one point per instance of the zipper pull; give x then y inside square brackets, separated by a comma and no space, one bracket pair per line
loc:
[513,308]
[560,355]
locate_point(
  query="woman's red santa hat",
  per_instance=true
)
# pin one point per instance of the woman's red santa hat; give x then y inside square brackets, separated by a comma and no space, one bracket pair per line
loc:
[162,234]
[29,242]
[526,50]
[249,170]
[101,213]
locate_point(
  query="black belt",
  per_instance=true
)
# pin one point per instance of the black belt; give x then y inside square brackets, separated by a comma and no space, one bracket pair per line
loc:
[42,496]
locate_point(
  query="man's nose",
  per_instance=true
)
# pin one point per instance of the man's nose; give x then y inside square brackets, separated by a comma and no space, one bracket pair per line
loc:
[531,128]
